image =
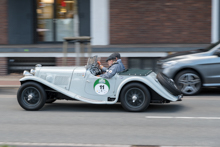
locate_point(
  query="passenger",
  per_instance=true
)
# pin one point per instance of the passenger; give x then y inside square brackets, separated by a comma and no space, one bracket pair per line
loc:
[114,67]
[118,58]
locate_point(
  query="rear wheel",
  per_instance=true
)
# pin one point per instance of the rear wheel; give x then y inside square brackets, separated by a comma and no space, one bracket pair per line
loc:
[189,82]
[31,96]
[135,97]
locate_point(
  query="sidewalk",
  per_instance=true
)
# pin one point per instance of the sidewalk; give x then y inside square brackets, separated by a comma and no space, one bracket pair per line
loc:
[58,48]
[10,81]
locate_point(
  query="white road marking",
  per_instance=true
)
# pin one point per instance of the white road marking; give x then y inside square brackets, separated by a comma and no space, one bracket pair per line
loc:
[80,145]
[61,144]
[172,117]
[202,98]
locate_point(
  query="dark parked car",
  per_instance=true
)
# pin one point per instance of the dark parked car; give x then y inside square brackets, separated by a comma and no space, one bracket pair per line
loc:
[194,69]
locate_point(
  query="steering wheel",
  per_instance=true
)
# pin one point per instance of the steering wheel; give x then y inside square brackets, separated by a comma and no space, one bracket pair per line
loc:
[95,70]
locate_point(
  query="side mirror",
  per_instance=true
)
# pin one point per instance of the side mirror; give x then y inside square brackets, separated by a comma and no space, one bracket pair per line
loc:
[217,53]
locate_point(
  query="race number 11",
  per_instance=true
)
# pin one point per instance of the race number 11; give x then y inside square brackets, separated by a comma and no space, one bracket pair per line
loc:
[101,89]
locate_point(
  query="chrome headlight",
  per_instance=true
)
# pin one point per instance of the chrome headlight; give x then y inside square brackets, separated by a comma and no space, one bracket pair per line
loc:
[26,73]
[38,65]
[32,71]
[168,64]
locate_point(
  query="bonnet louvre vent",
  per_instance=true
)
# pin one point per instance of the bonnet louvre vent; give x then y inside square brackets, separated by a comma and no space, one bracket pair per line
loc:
[61,80]
[43,77]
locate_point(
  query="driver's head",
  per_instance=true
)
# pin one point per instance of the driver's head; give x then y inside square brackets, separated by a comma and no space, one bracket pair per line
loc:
[111,59]
[110,62]
[117,55]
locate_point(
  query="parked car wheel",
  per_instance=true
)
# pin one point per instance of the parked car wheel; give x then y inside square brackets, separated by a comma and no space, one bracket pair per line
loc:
[168,83]
[189,82]
[49,101]
[31,96]
[135,97]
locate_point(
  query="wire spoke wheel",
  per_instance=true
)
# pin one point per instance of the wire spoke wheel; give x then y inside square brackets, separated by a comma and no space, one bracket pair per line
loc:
[31,96]
[135,97]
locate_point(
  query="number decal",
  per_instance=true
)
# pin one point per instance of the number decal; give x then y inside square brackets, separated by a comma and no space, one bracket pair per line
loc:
[101,86]
[101,89]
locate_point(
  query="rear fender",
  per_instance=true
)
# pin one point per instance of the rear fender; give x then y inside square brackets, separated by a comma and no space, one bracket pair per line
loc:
[151,82]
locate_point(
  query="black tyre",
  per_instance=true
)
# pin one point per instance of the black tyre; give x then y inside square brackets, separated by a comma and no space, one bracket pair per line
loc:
[135,97]
[189,82]
[31,96]
[49,101]
[168,83]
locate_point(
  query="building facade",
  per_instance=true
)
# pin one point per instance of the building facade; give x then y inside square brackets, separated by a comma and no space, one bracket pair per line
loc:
[109,23]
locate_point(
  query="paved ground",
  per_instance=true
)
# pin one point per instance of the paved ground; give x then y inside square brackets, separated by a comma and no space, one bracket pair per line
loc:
[10,80]
[193,122]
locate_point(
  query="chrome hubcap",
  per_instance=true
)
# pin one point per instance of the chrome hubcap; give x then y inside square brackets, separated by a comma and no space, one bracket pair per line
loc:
[134,98]
[30,96]
[189,83]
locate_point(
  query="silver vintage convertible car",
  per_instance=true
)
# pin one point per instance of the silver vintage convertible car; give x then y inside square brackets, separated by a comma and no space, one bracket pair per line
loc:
[135,89]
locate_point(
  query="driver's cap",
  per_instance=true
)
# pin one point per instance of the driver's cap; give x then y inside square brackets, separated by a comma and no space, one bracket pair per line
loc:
[116,54]
[111,57]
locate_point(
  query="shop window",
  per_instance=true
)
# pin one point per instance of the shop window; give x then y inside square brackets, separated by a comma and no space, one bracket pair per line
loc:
[55,19]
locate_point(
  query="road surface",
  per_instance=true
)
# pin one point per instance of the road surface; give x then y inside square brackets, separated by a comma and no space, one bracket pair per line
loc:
[195,121]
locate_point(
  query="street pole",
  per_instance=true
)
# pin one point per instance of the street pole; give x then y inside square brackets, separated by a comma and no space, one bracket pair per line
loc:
[76,32]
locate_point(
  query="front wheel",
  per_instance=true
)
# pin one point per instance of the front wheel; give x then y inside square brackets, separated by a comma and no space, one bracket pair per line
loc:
[135,97]
[189,82]
[31,96]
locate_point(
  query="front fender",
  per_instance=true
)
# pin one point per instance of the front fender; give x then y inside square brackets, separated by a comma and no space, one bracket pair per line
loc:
[62,90]
[44,82]
[150,81]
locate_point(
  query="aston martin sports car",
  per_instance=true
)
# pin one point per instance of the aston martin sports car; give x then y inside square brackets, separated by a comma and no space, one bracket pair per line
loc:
[134,89]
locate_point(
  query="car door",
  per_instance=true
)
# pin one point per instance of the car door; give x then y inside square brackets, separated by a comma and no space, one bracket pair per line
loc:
[98,86]
[212,69]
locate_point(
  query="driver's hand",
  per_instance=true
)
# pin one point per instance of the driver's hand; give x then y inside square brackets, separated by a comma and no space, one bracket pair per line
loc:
[99,63]
[98,76]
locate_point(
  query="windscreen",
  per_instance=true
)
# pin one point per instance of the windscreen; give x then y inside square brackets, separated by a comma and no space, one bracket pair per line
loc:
[92,61]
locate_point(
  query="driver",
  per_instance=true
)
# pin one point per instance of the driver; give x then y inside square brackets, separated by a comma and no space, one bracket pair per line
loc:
[118,58]
[114,68]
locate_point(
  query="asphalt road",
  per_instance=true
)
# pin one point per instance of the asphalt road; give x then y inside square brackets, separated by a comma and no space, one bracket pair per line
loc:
[195,121]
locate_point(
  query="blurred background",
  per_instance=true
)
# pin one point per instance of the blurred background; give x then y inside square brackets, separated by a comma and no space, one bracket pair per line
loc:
[32,31]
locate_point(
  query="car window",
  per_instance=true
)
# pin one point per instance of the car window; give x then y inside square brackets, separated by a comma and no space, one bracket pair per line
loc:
[217,52]
[211,46]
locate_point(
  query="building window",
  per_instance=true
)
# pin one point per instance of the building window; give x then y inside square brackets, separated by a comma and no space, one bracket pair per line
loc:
[55,19]
[142,63]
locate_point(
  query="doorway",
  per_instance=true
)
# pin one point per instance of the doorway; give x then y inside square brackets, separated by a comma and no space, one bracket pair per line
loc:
[55,20]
